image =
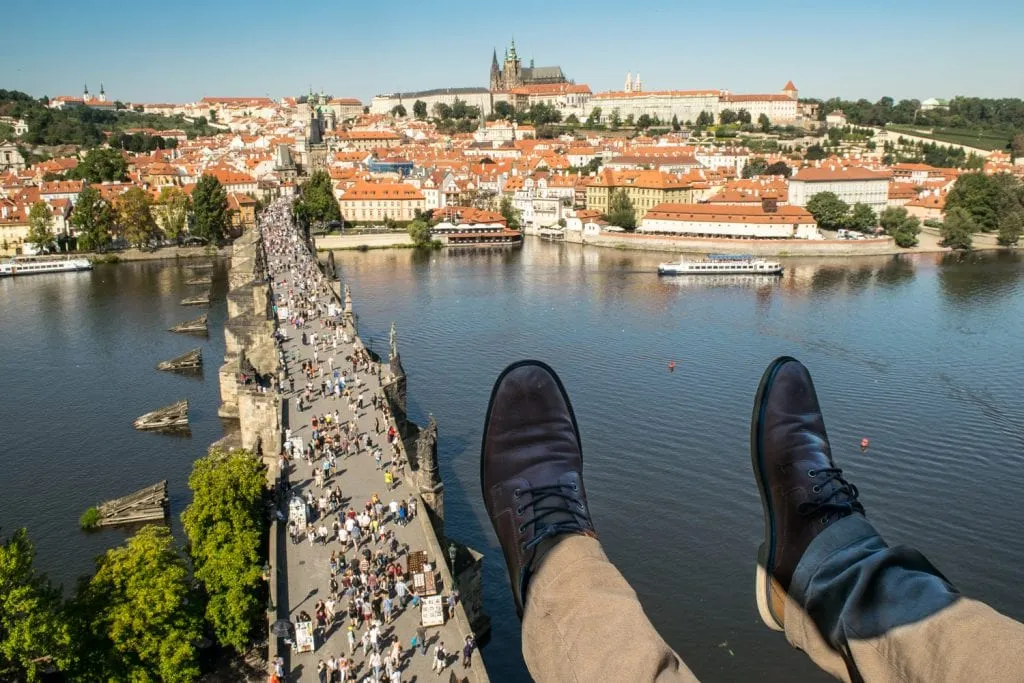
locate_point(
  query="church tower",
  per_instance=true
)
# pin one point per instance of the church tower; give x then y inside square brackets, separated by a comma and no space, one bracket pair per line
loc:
[495,72]
[86,97]
[513,74]
[629,82]
[103,95]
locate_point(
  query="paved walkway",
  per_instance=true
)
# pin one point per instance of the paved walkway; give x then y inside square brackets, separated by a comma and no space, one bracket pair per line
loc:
[305,570]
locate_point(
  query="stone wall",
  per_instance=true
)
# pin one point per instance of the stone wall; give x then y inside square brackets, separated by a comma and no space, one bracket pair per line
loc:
[882,245]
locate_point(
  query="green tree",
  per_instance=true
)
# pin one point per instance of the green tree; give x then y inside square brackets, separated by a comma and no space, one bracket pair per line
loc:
[1011,226]
[957,229]
[594,118]
[102,165]
[173,211]
[861,218]
[40,227]
[419,231]
[510,213]
[829,210]
[986,198]
[616,120]
[900,225]
[33,628]
[442,111]
[419,109]
[572,119]
[815,153]
[316,204]
[675,123]
[705,119]
[644,121]
[743,116]
[144,612]
[778,168]
[135,218]
[621,211]
[755,166]
[209,209]
[764,123]
[727,116]
[224,525]
[398,111]
[504,110]
[93,218]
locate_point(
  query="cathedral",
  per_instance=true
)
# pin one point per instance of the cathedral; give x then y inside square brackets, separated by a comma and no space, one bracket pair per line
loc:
[513,74]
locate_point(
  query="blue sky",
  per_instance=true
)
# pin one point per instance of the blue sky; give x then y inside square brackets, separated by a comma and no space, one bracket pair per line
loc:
[155,52]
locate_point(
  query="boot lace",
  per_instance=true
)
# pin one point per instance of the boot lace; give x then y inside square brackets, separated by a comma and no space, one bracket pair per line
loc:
[557,494]
[841,499]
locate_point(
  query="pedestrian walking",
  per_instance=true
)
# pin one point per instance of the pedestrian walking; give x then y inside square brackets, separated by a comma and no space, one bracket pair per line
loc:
[440,658]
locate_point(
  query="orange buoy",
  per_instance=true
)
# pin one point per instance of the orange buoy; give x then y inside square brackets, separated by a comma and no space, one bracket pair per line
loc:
[671,366]
[864,443]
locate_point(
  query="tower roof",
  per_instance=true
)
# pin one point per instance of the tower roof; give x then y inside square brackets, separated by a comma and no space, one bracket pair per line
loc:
[789,86]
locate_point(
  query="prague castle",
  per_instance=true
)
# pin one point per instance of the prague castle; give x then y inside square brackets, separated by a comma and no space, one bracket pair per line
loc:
[512,74]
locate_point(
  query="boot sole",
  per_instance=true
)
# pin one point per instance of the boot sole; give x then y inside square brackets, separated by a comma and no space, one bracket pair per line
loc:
[765,554]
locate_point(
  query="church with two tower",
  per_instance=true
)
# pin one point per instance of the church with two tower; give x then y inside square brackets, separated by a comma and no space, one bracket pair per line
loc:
[511,73]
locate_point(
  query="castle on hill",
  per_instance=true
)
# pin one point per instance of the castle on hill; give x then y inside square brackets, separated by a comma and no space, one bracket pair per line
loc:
[512,74]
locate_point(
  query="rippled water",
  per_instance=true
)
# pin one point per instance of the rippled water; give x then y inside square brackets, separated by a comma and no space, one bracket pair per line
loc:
[79,352]
[921,355]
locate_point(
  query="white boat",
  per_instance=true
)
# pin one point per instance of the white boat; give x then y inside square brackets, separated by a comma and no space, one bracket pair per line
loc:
[28,265]
[722,264]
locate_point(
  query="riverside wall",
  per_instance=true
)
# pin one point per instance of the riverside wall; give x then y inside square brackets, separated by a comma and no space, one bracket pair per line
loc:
[249,349]
[369,240]
[698,245]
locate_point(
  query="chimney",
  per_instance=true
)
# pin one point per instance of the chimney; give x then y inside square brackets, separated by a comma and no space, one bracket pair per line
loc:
[769,204]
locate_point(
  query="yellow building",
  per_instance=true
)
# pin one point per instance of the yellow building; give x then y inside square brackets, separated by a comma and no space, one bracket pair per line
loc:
[373,202]
[646,189]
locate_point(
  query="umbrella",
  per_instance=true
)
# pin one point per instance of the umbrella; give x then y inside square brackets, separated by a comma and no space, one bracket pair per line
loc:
[281,628]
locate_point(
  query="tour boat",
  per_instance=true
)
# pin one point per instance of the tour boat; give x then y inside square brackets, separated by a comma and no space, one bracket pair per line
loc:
[29,265]
[722,264]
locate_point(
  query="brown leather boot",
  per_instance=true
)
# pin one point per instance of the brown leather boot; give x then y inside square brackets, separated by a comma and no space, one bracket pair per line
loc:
[531,468]
[802,490]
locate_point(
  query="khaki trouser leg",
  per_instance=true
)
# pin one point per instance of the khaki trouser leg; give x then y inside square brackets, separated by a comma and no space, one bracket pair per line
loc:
[967,641]
[890,616]
[583,622]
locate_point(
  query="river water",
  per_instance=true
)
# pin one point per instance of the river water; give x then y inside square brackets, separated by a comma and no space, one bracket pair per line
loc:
[919,354]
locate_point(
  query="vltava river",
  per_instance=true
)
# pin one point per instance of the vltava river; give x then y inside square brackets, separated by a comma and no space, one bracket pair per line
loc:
[922,355]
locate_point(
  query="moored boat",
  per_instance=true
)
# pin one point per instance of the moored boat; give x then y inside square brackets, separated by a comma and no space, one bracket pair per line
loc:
[722,264]
[30,265]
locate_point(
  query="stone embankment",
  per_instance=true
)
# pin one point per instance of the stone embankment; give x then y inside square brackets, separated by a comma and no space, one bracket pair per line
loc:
[263,410]
[697,245]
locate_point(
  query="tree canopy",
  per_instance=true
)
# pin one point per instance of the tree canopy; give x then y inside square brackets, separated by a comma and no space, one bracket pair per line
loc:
[101,165]
[134,217]
[510,213]
[224,525]
[862,217]
[172,211]
[828,209]
[900,225]
[93,218]
[316,204]
[419,231]
[957,229]
[621,211]
[40,226]
[987,199]
[144,612]
[419,109]
[33,628]
[209,209]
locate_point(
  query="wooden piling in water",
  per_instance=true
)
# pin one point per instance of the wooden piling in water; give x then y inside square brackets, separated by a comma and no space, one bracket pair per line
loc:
[145,505]
[168,418]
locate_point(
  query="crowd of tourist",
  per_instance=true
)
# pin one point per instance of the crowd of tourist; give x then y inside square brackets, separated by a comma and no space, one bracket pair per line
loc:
[330,376]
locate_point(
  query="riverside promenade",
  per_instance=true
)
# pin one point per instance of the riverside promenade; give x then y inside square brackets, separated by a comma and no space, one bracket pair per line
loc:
[306,303]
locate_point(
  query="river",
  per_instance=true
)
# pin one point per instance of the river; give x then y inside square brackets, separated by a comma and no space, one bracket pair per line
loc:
[920,354]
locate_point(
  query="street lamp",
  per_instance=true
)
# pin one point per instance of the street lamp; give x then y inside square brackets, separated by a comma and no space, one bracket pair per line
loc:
[452,550]
[266,571]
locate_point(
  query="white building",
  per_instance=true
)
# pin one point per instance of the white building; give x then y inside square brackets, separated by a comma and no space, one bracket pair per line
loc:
[473,97]
[759,221]
[853,185]
[687,105]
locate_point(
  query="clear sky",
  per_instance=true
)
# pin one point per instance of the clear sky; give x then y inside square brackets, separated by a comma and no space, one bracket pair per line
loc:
[180,52]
